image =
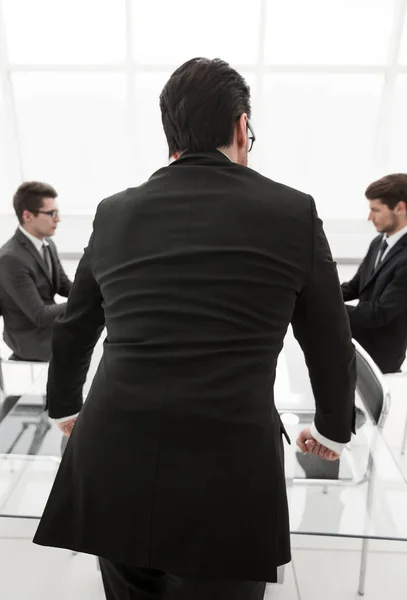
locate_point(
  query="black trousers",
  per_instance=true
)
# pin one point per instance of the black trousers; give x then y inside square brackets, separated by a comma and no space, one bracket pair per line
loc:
[131,583]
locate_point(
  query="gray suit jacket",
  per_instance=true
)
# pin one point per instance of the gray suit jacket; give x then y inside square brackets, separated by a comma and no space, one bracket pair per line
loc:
[27,293]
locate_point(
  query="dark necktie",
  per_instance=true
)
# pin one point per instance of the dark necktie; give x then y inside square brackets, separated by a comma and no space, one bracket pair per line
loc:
[380,252]
[47,258]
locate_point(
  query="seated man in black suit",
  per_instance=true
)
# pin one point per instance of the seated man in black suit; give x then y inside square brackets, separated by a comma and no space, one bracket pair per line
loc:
[31,274]
[379,321]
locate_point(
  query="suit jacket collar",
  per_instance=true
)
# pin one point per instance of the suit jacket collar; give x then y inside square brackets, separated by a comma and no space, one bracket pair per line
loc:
[27,243]
[215,158]
[398,247]
[396,237]
[38,244]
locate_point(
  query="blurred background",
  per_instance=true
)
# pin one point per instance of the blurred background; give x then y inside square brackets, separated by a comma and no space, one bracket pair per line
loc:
[80,82]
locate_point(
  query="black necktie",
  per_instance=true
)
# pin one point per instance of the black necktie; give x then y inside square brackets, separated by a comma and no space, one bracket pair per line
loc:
[380,252]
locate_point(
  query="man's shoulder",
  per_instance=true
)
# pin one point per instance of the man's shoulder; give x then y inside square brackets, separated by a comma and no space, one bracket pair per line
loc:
[161,182]
[10,248]
[113,202]
[375,242]
[11,259]
[277,187]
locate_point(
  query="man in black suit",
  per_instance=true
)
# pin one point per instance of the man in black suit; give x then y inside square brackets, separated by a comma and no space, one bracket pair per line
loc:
[174,472]
[31,274]
[379,321]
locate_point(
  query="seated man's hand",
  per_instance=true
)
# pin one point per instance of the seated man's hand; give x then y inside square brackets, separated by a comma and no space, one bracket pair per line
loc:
[67,426]
[309,445]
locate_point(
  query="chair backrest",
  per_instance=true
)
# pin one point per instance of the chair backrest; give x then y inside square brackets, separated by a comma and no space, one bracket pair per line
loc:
[371,386]
[16,375]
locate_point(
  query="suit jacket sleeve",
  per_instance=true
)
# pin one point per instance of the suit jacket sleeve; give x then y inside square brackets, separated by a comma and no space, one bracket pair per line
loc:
[18,283]
[65,283]
[321,326]
[74,337]
[379,312]
[350,289]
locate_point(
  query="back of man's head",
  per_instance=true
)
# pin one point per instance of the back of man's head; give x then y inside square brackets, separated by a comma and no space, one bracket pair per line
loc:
[200,105]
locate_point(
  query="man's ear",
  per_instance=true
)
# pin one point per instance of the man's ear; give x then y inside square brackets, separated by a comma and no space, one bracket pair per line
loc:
[241,126]
[26,217]
[401,207]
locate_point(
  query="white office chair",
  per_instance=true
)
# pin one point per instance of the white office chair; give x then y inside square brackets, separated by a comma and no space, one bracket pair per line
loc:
[16,377]
[398,386]
[375,397]
[404,442]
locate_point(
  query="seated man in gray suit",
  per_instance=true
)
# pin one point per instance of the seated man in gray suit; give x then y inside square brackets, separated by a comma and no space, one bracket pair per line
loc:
[31,274]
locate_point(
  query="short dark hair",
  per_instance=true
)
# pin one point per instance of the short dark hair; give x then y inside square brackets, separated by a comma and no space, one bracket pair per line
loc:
[30,196]
[390,190]
[201,103]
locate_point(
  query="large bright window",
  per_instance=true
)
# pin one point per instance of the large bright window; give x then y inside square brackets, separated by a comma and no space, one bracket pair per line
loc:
[318,135]
[333,32]
[72,131]
[172,32]
[10,174]
[398,128]
[65,31]
[80,84]
[403,51]
[4,191]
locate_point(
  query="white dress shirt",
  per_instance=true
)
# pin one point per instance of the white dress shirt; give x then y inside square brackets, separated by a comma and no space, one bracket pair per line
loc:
[63,419]
[335,446]
[39,244]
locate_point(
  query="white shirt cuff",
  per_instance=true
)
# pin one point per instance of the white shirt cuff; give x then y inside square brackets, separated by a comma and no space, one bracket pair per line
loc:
[63,419]
[335,446]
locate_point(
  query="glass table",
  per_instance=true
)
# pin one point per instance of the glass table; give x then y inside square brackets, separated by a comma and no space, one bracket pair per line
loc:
[26,477]
[362,496]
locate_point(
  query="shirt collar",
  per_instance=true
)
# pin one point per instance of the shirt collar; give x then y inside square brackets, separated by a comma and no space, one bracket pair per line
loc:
[34,240]
[393,239]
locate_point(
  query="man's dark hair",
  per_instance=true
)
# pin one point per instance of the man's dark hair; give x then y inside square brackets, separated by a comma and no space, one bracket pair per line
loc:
[389,190]
[30,196]
[201,103]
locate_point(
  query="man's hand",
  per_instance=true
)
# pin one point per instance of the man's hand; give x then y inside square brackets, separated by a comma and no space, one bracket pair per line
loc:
[309,445]
[67,426]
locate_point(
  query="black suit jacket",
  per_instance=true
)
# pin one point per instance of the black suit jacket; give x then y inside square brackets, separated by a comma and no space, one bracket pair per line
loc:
[379,321]
[27,297]
[176,460]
